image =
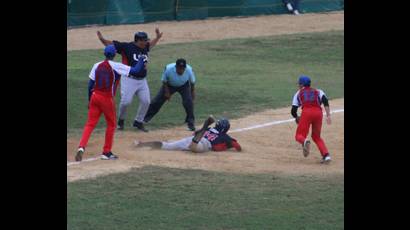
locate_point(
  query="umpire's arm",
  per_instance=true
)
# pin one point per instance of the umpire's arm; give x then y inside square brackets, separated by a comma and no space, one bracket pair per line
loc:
[192,80]
[164,80]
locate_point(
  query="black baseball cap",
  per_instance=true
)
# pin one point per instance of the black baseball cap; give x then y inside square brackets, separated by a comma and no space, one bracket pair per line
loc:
[181,63]
[141,36]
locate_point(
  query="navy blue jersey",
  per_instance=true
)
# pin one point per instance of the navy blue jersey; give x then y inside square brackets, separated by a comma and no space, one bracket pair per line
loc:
[213,136]
[130,53]
[221,142]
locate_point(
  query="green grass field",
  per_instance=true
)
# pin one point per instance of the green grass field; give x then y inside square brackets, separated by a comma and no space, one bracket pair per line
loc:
[235,77]
[166,198]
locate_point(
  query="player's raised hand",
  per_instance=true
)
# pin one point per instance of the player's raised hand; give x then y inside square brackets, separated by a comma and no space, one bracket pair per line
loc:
[99,35]
[159,34]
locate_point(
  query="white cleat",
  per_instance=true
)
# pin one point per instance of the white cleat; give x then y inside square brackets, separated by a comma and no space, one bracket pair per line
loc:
[326,159]
[296,12]
[306,148]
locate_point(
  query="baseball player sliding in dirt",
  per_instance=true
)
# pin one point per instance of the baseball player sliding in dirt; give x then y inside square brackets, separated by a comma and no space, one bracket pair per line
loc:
[310,100]
[102,87]
[134,84]
[205,139]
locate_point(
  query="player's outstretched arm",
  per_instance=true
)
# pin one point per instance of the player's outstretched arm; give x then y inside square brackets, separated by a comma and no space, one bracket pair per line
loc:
[156,39]
[327,109]
[138,67]
[104,41]
[294,113]
[236,145]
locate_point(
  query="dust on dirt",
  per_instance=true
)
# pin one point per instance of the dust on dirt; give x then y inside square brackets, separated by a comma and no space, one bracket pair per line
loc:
[270,149]
[209,29]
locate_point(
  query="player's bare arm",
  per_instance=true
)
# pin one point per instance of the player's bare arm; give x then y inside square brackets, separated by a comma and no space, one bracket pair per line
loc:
[156,39]
[327,109]
[104,41]
[167,93]
[294,113]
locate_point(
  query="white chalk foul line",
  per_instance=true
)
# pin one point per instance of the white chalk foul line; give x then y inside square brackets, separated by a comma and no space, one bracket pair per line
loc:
[78,162]
[274,123]
[233,131]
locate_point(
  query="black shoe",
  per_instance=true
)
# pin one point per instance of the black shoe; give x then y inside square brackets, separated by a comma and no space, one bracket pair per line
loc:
[140,126]
[79,155]
[208,122]
[199,133]
[120,125]
[108,156]
[191,127]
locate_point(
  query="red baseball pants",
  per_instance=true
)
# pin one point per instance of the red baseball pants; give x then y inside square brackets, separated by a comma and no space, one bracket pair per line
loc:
[100,103]
[311,116]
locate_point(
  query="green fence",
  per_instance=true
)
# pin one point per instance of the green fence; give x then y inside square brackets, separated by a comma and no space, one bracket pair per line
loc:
[109,12]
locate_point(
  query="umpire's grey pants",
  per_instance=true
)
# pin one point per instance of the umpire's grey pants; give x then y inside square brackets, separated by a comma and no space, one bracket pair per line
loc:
[129,88]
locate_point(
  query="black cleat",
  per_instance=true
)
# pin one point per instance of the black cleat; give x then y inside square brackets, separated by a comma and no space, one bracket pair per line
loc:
[140,126]
[79,155]
[306,148]
[199,133]
[191,127]
[208,122]
[108,156]
[120,125]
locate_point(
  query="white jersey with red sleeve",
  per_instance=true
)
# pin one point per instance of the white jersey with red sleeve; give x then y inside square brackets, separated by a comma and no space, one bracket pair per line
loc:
[106,74]
[308,97]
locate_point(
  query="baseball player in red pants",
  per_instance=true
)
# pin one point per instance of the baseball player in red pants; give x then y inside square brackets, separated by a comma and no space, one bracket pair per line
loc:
[310,100]
[104,77]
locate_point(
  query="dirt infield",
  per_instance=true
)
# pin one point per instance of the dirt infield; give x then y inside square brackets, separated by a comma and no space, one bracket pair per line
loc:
[210,29]
[267,149]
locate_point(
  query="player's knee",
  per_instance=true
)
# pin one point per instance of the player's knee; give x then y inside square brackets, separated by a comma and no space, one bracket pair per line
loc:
[315,137]
[111,125]
[124,102]
[145,101]
[92,122]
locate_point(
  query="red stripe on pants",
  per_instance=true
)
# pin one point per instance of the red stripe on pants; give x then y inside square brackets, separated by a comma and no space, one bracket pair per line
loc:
[311,116]
[104,104]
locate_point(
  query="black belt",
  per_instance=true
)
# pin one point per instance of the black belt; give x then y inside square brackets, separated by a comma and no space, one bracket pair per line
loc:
[136,78]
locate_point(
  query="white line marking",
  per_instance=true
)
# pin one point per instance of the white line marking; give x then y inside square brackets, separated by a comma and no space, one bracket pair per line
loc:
[274,123]
[233,131]
[78,162]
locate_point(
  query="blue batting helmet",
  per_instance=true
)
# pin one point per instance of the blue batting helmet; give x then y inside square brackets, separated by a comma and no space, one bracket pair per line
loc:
[222,125]
[109,51]
[304,80]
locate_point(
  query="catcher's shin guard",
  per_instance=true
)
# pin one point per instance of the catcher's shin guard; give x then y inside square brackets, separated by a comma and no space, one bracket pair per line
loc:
[200,133]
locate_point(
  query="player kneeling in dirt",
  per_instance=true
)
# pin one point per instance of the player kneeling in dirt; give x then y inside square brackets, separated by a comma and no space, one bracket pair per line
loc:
[205,139]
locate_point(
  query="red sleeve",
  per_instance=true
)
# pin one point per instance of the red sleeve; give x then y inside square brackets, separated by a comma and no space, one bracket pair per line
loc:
[236,145]
[219,147]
